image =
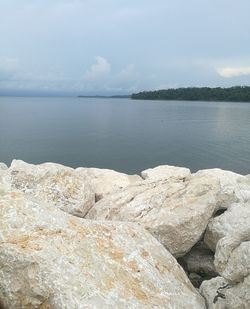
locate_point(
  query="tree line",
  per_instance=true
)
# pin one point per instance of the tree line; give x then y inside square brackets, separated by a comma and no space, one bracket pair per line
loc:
[232,94]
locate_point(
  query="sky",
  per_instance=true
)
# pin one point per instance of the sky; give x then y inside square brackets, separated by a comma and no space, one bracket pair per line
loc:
[122,46]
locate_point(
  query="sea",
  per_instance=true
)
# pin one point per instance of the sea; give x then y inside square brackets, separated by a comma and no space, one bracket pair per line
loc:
[125,135]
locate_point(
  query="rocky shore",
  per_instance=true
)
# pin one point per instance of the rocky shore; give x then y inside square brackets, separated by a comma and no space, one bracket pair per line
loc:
[97,238]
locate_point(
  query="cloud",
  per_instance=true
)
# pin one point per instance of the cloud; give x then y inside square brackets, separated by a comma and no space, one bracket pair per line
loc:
[99,70]
[8,68]
[9,64]
[229,72]
[127,71]
[99,78]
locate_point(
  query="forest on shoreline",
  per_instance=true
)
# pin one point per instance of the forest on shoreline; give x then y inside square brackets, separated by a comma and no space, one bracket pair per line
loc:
[232,94]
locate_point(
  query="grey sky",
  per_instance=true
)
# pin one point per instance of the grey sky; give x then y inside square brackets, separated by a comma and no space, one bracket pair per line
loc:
[122,46]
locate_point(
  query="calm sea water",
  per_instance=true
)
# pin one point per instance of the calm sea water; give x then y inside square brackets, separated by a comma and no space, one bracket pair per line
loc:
[125,135]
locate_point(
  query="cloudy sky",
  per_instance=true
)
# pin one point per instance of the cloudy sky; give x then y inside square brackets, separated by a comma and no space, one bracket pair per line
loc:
[122,46]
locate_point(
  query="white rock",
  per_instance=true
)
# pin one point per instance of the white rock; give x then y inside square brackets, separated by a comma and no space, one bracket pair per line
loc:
[165,172]
[175,212]
[232,221]
[106,181]
[52,183]
[232,256]
[230,235]
[235,187]
[3,166]
[221,294]
[50,259]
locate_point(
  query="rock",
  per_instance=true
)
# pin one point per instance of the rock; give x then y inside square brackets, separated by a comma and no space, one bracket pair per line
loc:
[235,187]
[195,279]
[232,254]
[50,259]
[106,181]
[52,183]
[233,221]
[199,261]
[165,172]
[221,294]
[175,212]
[229,234]
[232,257]
[3,166]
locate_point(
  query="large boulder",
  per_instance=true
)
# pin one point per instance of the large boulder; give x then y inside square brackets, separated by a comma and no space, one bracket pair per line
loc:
[234,187]
[105,181]
[50,259]
[166,172]
[175,211]
[52,183]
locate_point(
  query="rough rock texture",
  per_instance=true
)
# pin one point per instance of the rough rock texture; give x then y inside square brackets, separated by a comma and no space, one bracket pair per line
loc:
[231,223]
[50,259]
[229,235]
[175,212]
[106,181]
[3,166]
[165,172]
[232,256]
[52,183]
[221,294]
[234,187]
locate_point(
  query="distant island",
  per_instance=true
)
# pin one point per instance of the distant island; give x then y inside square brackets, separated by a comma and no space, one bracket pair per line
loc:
[232,94]
[106,97]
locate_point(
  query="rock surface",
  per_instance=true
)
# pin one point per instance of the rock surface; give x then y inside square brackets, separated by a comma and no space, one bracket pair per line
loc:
[232,222]
[229,236]
[106,181]
[175,212]
[50,259]
[3,166]
[221,294]
[234,187]
[166,172]
[232,255]
[52,183]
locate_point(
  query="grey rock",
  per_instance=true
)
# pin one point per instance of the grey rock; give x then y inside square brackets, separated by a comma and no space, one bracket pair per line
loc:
[199,260]
[195,279]
[222,294]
